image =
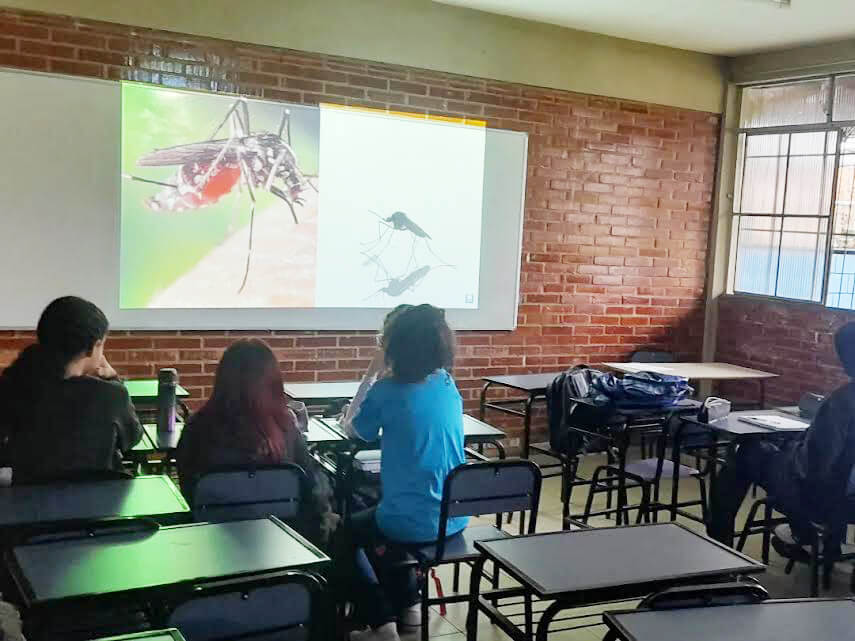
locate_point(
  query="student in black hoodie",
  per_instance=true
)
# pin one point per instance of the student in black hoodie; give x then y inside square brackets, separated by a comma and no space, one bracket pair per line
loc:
[63,412]
[808,480]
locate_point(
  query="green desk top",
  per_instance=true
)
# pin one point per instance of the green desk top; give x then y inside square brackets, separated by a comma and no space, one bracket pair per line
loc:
[114,563]
[153,635]
[57,502]
[145,390]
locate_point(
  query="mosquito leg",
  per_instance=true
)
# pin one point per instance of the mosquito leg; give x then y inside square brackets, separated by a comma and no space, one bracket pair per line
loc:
[285,125]
[207,176]
[248,176]
[273,169]
[226,117]
[281,194]
[412,255]
[247,129]
[150,182]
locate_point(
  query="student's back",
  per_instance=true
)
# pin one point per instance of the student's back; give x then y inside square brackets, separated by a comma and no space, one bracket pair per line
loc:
[58,418]
[58,428]
[422,442]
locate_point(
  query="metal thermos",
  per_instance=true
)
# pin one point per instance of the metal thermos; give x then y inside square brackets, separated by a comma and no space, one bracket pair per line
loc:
[167,382]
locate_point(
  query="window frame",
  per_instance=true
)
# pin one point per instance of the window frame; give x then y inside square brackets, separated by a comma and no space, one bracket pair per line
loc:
[830,125]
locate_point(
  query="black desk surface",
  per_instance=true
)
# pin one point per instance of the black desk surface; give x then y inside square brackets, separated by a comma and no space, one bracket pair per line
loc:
[153,635]
[730,425]
[816,620]
[160,441]
[333,390]
[531,383]
[603,558]
[323,431]
[114,563]
[328,430]
[56,502]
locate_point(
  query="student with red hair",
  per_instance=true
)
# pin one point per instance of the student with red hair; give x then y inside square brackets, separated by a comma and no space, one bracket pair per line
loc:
[246,421]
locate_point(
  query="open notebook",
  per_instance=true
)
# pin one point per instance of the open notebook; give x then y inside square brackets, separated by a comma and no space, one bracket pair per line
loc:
[775,422]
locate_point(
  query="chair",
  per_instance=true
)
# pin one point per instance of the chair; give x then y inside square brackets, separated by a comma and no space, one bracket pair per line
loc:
[287,606]
[748,591]
[241,492]
[472,489]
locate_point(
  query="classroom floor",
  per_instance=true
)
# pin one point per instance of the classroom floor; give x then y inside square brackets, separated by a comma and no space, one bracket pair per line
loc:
[451,627]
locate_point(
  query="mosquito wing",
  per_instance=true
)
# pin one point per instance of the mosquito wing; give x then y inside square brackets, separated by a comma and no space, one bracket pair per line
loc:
[200,152]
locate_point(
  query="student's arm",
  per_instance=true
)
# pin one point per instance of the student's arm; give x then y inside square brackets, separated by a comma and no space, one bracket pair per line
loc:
[130,431]
[374,370]
[816,457]
[366,421]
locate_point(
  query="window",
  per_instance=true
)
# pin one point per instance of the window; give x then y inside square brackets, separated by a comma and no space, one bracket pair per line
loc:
[794,200]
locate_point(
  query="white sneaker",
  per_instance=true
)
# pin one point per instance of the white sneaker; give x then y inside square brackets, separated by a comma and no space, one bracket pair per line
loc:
[386,632]
[411,617]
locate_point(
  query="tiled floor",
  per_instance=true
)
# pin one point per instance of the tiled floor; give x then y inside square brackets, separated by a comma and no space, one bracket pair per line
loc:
[451,627]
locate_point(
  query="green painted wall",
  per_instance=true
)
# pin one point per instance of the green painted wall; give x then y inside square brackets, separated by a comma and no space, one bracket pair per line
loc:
[421,33]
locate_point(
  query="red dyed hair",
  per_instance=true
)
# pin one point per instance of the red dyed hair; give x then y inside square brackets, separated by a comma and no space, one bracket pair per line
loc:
[248,401]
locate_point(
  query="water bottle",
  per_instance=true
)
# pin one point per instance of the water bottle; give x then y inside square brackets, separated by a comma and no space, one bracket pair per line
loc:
[167,381]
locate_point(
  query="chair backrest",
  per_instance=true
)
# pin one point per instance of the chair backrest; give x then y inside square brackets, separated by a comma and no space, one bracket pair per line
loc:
[490,487]
[651,356]
[288,606]
[236,493]
[696,596]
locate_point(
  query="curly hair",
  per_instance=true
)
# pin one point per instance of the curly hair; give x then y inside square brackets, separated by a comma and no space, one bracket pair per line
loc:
[418,342]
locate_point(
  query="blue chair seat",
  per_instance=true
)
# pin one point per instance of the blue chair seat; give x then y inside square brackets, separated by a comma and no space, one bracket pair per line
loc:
[461,547]
[646,469]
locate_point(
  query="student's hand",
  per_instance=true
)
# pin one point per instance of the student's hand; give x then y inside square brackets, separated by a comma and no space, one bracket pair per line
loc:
[378,364]
[105,370]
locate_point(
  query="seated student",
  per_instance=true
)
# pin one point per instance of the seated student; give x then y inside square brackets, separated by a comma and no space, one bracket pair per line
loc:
[418,406]
[807,480]
[62,410]
[246,421]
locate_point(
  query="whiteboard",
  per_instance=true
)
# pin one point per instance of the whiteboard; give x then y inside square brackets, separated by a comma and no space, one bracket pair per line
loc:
[60,191]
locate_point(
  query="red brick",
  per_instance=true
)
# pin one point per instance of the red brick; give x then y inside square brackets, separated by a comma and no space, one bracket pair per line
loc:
[78,38]
[38,48]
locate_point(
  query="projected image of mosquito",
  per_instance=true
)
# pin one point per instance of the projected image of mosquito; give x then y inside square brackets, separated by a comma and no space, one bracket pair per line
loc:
[210,169]
[401,254]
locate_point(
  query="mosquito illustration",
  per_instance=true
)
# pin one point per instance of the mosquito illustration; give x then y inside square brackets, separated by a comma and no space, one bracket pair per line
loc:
[389,227]
[211,169]
[397,286]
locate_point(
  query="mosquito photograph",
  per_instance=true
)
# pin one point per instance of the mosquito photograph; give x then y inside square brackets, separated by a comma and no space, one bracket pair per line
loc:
[242,174]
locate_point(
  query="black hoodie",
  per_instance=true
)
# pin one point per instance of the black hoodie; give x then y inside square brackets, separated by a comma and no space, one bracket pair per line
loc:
[53,426]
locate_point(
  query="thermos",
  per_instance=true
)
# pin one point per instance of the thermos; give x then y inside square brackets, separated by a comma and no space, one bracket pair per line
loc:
[167,381]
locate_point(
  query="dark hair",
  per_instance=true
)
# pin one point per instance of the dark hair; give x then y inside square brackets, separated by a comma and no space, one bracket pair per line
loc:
[247,406]
[390,317]
[418,342]
[68,327]
[844,343]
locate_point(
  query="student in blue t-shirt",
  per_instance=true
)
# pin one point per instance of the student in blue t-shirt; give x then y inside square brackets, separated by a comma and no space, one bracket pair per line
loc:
[409,394]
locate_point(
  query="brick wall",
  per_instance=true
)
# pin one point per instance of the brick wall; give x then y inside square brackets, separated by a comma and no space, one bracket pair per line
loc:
[794,340]
[616,213]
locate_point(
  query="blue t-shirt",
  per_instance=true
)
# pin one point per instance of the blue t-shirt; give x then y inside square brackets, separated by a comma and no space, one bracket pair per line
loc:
[422,442]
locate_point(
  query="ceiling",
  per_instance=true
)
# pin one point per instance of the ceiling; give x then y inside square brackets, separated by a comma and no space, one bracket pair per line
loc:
[722,27]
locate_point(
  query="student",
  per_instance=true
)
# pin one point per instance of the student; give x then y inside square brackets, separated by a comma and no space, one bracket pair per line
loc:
[62,409]
[416,402]
[807,480]
[246,422]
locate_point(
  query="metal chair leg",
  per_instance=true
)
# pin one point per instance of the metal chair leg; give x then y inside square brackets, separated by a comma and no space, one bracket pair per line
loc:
[455,583]
[424,604]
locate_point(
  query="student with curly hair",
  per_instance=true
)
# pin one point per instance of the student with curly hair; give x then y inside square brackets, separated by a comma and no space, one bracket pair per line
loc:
[416,402]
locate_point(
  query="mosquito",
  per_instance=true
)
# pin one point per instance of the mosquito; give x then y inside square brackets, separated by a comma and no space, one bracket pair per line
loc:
[389,227]
[397,286]
[211,169]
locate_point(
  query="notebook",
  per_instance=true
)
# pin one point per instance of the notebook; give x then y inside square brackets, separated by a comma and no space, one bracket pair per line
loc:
[775,422]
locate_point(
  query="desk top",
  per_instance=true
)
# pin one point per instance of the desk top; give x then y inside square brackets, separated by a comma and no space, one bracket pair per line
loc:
[161,441]
[321,391]
[819,620]
[152,635]
[113,563]
[55,502]
[474,429]
[612,558]
[531,383]
[323,431]
[145,390]
[694,371]
[328,430]
[731,425]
